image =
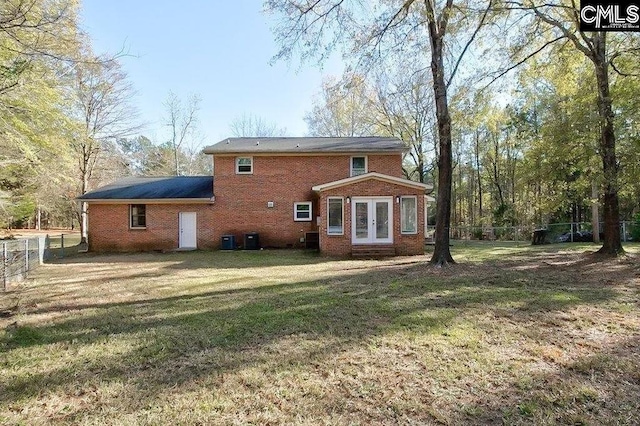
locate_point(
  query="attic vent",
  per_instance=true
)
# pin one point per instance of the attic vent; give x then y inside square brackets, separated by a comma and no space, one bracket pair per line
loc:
[228,142]
[258,143]
[297,145]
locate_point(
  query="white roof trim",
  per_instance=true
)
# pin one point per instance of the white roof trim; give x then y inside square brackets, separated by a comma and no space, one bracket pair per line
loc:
[429,199]
[372,175]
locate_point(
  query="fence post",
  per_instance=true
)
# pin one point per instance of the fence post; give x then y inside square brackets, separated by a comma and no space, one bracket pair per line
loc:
[4,266]
[26,257]
[571,232]
[41,245]
[47,247]
[62,245]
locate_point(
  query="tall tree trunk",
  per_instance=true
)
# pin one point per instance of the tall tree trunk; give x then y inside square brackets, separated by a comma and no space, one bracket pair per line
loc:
[175,160]
[479,176]
[454,201]
[459,195]
[595,219]
[611,212]
[442,253]
[83,210]
[496,172]
[471,188]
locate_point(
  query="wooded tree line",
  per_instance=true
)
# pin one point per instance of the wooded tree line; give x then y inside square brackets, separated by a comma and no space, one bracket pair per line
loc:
[68,121]
[515,114]
[536,160]
[529,158]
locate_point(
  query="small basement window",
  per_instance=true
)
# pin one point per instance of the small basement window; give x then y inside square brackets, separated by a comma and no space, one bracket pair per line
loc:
[302,212]
[335,216]
[137,216]
[244,165]
[358,165]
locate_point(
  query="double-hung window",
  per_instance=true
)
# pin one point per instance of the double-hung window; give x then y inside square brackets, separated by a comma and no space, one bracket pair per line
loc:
[335,216]
[409,215]
[302,212]
[244,165]
[137,216]
[358,165]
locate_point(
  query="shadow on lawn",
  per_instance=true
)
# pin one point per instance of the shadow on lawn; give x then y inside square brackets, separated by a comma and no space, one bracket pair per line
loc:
[602,387]
[179,339]
[215,259]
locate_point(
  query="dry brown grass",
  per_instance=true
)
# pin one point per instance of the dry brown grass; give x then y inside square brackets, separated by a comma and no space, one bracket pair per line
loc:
[513,335]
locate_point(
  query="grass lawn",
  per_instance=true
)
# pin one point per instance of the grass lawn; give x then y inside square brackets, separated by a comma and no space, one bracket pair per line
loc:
[513,334]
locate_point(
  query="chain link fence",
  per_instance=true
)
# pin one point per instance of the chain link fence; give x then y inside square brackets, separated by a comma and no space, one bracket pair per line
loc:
[19,256]
[59,246]
[551,233]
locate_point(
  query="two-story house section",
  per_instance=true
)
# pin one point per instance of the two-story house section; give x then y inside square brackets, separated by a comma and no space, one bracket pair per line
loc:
[348,194]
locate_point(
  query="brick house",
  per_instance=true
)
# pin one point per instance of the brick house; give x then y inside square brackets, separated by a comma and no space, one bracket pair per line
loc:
[346,195]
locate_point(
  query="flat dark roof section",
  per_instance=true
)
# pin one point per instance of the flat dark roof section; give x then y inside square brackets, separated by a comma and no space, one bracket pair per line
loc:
[306,145]
[154,188]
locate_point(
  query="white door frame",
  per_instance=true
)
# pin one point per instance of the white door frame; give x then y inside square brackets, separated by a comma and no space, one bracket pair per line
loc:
[371,216]
[184,242]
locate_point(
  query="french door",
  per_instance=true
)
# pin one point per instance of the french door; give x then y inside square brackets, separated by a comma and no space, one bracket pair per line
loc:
[372,220]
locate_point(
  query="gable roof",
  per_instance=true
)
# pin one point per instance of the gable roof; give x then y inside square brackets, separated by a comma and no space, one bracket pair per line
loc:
[154,188]
[306,145]
[373,175]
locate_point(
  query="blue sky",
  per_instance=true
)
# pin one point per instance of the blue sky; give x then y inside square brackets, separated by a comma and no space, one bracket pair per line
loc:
[218,49]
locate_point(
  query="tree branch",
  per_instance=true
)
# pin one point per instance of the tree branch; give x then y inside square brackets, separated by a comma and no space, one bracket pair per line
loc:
[471,39]
[529,56]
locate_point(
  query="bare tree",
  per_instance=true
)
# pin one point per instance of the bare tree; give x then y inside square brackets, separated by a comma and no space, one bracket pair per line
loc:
[393,102]
[182,121]
[249,125]
[369,29]
[101,97]
[404,108]
[342,109]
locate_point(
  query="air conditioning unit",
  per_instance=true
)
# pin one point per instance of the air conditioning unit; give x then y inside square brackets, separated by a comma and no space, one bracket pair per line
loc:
[251,241]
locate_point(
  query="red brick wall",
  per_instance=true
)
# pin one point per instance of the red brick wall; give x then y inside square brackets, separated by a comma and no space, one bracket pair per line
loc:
[242,199]
[240,205]
[340,245]
[109,227]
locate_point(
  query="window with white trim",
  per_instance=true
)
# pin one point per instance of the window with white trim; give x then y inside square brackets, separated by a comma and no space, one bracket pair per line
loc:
[335,216]
[409,215]
[358,165]
[302,212]
[137,216]
[244,165]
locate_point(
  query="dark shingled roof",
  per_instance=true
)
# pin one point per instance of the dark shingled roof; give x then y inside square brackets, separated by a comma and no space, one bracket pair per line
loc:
[306,145]
[154,188]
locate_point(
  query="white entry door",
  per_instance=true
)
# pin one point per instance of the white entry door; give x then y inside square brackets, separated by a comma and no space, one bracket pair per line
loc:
[188,235]
[372,220]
